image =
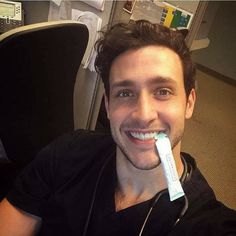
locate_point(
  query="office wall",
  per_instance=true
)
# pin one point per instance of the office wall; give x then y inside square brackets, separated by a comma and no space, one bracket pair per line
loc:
[121,15]
[190,6]
[35,11]
[220,54]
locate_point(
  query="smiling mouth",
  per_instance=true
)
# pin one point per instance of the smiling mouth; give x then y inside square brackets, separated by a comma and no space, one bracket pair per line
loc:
[143,136]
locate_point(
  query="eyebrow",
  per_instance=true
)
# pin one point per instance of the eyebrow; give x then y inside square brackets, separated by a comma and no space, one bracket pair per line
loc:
[153,81]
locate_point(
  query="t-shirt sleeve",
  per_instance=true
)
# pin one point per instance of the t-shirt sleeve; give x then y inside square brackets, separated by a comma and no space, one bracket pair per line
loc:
[34,186]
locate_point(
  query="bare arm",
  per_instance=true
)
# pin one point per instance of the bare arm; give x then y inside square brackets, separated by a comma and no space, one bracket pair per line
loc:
[15,222]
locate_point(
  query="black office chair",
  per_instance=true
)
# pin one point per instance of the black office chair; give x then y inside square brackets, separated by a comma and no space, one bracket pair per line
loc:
[38,67]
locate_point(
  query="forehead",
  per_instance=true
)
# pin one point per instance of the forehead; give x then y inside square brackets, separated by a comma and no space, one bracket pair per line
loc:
[140,65]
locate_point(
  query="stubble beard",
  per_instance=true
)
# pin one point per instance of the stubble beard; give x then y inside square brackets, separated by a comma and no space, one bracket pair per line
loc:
[128,156]
[151,166]
[147,167]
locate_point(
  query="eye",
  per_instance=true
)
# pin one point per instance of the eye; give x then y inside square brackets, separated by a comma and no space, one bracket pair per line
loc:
[125,93]
[163,93]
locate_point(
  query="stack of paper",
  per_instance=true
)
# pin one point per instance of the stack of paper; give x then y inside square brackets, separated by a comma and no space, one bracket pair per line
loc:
[58,2]
[98,4]
[94,24]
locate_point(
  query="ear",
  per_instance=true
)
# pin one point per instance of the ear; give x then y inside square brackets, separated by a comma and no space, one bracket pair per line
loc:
[107,106]
[190,104]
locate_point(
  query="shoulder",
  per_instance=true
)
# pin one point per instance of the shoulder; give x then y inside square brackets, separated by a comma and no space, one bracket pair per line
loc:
[211,219]
[205,214]
[73,152]
[67,156]
[81,141]
[71,158]
[77,144]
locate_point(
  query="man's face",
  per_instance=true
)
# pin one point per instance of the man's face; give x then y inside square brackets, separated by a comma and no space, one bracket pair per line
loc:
[147,96]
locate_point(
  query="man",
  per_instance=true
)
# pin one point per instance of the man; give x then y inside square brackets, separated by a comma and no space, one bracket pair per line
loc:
[86,183]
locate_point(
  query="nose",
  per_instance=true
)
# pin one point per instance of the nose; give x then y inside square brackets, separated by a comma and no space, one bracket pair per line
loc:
[145,110]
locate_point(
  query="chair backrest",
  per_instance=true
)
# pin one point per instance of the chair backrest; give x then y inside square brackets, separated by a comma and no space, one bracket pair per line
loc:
[38,67]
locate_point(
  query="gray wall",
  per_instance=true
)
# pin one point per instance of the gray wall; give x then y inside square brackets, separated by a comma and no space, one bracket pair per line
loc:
[220,55]
[35,11]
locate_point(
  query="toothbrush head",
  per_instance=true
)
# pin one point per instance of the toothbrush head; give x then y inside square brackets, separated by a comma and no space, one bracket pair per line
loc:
[160,135]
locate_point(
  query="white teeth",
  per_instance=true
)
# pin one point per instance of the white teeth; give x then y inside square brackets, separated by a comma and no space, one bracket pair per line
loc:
[143,136]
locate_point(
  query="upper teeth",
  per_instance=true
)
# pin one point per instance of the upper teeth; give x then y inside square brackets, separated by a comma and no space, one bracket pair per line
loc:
[143,136]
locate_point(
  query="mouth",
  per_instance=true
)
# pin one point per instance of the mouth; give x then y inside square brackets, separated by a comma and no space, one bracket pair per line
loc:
[143,136]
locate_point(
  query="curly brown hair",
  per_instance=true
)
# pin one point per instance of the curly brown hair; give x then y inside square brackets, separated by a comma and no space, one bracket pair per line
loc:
[122,37]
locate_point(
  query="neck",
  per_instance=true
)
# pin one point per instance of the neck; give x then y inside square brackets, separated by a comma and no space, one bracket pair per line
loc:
[136,186]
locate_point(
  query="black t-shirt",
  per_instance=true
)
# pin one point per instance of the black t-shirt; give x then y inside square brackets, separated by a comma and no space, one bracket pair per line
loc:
[78,171]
